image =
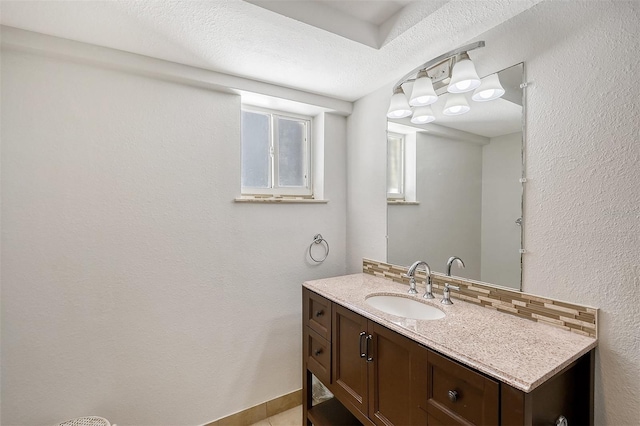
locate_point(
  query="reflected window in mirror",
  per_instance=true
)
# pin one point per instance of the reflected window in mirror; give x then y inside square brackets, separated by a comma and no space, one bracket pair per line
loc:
[467,177]
[395,166]
[401,166]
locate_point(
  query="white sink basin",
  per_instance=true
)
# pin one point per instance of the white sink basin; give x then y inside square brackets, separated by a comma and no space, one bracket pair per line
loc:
[404,307]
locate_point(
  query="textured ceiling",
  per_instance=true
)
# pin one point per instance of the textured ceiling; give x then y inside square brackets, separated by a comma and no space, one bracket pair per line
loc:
[373,11]
[373,23]
[243,39]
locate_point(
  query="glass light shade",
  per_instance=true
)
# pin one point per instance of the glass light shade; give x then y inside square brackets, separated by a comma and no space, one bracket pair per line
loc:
[423,115]
[398,107]
[489,89]
[456,104]
[464,77]
[422,93]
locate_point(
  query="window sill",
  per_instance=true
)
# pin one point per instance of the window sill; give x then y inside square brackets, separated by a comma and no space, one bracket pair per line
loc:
[280,200]
[403,203]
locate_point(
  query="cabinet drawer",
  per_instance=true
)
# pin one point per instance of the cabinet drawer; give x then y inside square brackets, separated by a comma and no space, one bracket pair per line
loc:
[317,313]
[317,351]
[458,395]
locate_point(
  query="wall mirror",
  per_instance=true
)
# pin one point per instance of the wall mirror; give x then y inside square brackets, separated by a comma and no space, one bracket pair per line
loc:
[454,186]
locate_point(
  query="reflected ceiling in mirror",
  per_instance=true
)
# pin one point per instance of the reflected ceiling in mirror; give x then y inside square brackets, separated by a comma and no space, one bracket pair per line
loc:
[456,190]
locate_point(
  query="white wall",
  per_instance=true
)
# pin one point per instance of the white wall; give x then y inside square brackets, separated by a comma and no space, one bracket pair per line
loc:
[447,220]
[501,206]
[366,177]
[582,217]
[133,286]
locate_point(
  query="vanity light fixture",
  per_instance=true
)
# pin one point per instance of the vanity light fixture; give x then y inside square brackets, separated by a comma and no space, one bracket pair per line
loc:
[456,104]
[399,107]
[490,89]
[453,70]
[464,77]
[423,92]
[423,115]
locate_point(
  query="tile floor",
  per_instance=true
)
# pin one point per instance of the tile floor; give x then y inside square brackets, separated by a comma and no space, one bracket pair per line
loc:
[292,417]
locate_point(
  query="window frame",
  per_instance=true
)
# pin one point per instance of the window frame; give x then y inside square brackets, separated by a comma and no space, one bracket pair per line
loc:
[402,194]
[276,190]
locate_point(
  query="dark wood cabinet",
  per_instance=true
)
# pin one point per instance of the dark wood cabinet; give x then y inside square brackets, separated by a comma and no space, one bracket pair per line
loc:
[318,358]
[568,394]
[390,377]
[371,369]
[380,377]
[349,372]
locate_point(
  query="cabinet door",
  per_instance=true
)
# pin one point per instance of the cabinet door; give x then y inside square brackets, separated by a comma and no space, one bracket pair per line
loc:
[390,374]
[349,369]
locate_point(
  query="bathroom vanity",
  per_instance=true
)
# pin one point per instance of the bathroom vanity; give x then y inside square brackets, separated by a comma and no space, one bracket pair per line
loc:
[473,366]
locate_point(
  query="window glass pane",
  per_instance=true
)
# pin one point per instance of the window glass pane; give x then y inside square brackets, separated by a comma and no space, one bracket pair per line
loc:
[256,150]
[291,152]
[395,162]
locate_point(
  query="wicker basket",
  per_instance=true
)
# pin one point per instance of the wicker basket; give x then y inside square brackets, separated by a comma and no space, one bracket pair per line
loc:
[86,421]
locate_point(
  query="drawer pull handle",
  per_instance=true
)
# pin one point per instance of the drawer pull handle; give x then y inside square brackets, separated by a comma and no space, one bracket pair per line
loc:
[318,352]
[319,313]
[363,354]
[453,396]
[369,357]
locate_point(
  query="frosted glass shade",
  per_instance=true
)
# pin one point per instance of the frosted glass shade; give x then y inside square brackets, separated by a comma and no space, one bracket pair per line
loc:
[464,77]
[489,89]
[423,115]
[456,104]
[422,93]
[398,107]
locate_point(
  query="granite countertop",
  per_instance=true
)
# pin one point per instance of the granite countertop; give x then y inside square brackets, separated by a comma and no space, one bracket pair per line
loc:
[519,352]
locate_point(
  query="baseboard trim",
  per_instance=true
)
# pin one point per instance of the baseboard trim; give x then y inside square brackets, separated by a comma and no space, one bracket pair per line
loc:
[261,411]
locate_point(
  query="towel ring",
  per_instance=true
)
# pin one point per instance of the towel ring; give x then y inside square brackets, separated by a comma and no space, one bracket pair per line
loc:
[317,239]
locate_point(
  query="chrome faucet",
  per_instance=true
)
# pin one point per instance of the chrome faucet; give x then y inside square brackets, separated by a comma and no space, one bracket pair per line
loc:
[452,259]
[412,279]
[446,292]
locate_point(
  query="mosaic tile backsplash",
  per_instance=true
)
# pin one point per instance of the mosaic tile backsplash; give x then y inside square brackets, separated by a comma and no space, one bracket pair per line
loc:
[575,318]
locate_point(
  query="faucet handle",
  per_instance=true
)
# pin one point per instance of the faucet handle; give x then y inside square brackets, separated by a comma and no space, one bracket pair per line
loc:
[412,284]
[446,297]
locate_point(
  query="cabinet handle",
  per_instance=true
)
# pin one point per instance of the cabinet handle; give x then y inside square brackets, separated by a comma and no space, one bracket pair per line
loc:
[453,396]
[369,357]
[319,313]
[318,352]
[363,354]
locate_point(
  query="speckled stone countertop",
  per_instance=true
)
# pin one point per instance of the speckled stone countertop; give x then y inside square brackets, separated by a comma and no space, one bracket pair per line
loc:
[519,352]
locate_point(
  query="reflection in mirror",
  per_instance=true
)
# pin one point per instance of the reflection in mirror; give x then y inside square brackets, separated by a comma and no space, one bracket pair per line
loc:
[461,191]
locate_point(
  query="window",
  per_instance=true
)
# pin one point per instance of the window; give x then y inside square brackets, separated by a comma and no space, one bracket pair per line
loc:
[276,151]
[395,166]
